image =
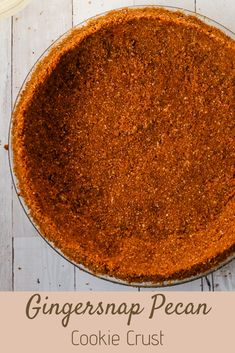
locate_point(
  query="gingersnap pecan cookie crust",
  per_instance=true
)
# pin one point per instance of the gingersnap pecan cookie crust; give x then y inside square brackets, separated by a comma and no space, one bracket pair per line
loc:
[124,145]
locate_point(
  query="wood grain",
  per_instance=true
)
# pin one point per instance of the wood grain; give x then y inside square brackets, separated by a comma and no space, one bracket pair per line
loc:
[224,279]
[184,4]
[84,9]
[87,282]
[5,179]
[222,11]
[38,267]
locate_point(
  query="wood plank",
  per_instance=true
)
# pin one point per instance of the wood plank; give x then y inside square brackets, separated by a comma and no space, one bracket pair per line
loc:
[207,283]
[222,11]
[185,4]
[224,279]
[84,9]
[38,267]
[34,29]
[5,178]
[87,282]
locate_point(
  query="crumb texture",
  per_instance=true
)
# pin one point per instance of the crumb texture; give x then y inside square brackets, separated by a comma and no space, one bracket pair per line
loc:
[125,149]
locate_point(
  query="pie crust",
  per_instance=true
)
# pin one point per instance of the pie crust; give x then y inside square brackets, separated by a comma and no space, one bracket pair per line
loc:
[124,145]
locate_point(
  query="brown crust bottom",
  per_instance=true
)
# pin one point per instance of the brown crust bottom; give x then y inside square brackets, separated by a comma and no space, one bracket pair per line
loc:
[124,147]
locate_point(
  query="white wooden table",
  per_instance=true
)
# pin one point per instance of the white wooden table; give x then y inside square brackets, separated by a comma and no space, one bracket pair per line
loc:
[26,261]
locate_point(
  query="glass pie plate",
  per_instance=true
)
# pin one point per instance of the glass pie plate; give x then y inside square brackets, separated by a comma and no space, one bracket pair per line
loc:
[26,209]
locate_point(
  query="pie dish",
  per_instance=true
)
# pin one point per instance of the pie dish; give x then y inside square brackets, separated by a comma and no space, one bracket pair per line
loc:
[124,146]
